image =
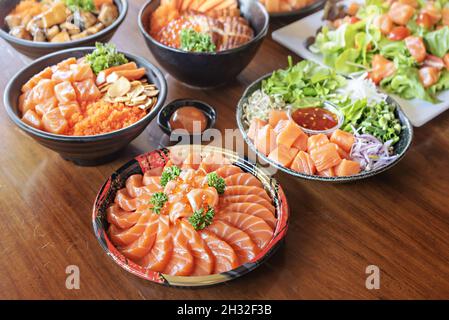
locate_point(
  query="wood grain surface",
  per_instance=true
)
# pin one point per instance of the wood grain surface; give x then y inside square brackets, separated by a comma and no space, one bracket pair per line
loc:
[398,220]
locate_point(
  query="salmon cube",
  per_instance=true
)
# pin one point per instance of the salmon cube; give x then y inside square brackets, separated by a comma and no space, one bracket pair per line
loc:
[445,16]
[54,121]
[33,119]
[416,47]
[384,23]
[303,163]
[81,72]
[283,155]
[266,140]
[325,156]
[65,92]
[401,13]
[86,91]
[62,75]
[316,141]
[327,173]
[280,126]
[301,142]
[347,168]
[381,68]
[289,134]
[44,74]
[69,109]
[275,116]
[44,107]
[343,139]
[65,64]
[429,76]
[254,127]
[343,154]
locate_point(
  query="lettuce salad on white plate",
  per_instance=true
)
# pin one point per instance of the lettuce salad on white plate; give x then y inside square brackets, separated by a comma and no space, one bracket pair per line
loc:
[402,46]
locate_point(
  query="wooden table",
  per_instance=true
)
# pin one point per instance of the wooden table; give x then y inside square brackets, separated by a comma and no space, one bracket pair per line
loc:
[398,221]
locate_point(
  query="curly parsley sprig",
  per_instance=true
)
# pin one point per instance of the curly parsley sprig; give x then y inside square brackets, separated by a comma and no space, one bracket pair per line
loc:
[200,220]
[217,182]
[169,173]
[193,41]
[158,200]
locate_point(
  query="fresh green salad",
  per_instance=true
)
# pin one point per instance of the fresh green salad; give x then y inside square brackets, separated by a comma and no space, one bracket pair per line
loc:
[104,57]
[403,45]
[193,41]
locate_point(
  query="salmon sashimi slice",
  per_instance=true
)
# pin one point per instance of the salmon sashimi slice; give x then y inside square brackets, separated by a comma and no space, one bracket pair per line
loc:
[179,210]
[44,74]
[249,198]
[198,198]
[204,260]
[289,134]
[243,179]
[275,116]
[303,163]
[149,180]
[254,209]
[243,190]
[157,259]
[181,262]
[81,72]
[347,168]
[239,240]
[254,127]
[122,237]
[102,76]
[228,170]
[125,201]
[192,161]
[133,183]
[33,119]
[54,121]
[257,229]
[225,257]
[86,91]
[144,243]
[121,218]
[325,156]
[283,155]
[316,141]
[265,141]
[65,92]
[213,161]
[343,139]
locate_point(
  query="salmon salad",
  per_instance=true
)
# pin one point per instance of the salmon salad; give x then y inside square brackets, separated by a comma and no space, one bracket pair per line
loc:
[90,95]
[401,45]
[312,121]
[196,216]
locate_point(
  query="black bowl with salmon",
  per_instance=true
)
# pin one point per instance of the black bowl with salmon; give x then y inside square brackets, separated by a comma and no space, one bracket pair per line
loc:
[190,216]
[203,45]
[36,28]
[85,110]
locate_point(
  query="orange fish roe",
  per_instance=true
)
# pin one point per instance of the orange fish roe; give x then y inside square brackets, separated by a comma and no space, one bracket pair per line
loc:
[102,117]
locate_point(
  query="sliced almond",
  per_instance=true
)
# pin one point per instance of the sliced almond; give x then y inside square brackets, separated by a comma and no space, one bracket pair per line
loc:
[119,88]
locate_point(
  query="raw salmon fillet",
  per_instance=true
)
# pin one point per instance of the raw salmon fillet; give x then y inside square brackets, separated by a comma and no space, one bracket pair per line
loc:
[316,141]
[228,170]
[181,262]
[225,257]
[288,135]
[243,179]
[283,155]
[254,209]
[325,156]
[121,218]
[249,198]
[127,236]
[303,163]
[347,168]
[254,127]
[343,139]
[265,140]
[275,116]
[244,190]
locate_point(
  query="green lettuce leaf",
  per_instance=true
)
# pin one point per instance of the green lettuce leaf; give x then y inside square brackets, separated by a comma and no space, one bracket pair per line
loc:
[437,41]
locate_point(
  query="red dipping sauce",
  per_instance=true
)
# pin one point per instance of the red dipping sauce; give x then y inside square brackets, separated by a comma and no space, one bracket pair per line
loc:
[314,118]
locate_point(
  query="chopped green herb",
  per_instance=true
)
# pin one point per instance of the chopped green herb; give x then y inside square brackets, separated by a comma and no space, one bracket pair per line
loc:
[84,5]
[193,41]
[158,200]
[199,220]
[104,57]
[217,182]
[169,173]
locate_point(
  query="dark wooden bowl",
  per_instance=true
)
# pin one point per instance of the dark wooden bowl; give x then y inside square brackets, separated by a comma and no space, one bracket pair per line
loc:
[83,150]
[37,49]
[207,69]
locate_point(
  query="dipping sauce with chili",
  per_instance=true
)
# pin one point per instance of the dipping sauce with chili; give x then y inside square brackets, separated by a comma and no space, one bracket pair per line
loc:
[188,118]
[315,118]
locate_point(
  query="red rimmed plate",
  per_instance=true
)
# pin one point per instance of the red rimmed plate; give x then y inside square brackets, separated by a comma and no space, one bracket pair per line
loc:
[157,159]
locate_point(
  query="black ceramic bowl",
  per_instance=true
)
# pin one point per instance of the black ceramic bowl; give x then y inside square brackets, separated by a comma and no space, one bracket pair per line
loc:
[163,118]
[38,49]
[83,150]
[207,69]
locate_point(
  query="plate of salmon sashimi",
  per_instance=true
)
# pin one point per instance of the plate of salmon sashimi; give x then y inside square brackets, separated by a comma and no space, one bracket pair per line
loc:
[311,123]
[190,216]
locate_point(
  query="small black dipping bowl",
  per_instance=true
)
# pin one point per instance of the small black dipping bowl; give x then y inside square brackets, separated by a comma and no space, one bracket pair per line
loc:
[37,49]
[163,118]
[207,70]
[82,150]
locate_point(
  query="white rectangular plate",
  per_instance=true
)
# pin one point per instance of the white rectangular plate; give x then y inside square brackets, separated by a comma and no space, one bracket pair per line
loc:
[294,36]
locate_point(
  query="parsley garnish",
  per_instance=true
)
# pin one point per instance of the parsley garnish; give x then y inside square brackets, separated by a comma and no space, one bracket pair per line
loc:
[199,220]
[193,41]
[169,173]
[104,57]
[85,5]
[158,200]
[217,182]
